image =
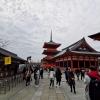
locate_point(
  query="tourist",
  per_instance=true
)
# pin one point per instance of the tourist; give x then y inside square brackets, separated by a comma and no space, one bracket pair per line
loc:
[82,74]
[92,81]
[77,71]
[51,76]
[36,76]
[31,72]
[24,73]
[28,77]
[71,81]
[58,77]
[66,75]
[41,73]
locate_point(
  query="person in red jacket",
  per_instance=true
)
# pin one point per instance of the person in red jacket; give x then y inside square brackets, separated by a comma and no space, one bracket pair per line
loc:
[92,79]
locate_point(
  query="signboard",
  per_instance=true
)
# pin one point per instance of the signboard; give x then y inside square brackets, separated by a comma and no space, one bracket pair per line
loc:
[7,60]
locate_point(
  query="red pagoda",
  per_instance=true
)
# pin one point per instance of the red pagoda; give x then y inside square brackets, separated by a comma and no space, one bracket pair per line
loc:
[50,49]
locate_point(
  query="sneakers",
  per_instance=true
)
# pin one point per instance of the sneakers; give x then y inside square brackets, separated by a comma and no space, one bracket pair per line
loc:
[75,92]
[37,86]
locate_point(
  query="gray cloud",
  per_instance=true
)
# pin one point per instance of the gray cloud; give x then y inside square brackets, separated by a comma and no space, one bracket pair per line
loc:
[27,23]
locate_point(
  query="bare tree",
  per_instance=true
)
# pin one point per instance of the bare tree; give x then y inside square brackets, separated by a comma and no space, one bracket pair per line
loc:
[3,43]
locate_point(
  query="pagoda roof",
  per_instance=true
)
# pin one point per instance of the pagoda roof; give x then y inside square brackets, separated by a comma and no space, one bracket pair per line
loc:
[95,36]
[51,44]
[79,47]
[50,52]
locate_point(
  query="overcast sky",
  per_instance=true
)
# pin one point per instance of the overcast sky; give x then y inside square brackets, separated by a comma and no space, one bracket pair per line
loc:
[27,24]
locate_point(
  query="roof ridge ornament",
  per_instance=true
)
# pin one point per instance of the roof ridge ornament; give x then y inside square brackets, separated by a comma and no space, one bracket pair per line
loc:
[51,37]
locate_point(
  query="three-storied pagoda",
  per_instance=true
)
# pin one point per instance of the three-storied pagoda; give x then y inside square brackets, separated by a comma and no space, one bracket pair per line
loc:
[50,49]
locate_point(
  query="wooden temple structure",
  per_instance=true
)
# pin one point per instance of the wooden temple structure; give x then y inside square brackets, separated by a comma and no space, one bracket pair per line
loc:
[50,49]
[77,55]
[8,70]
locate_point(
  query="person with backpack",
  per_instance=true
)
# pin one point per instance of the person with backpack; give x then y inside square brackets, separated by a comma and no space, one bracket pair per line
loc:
[92,80]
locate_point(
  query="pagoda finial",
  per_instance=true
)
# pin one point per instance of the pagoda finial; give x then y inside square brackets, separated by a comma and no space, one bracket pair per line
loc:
[51,37]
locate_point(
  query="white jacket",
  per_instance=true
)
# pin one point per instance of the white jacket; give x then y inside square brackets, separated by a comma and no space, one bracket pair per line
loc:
[87,81]
[51,74]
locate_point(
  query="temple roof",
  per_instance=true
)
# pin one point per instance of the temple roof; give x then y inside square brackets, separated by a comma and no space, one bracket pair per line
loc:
[78,44]
[8,53]
[79,47]
[87,53]
[95,36]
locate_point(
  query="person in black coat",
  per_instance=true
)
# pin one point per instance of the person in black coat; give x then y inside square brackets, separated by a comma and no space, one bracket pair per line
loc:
[66,75]
[58,76]
[41,73]
[72,81]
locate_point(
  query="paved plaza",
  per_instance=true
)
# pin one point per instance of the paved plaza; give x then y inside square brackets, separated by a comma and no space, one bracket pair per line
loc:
[43,92]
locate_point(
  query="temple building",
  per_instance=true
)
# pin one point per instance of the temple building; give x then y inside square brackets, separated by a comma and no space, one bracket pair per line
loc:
[77,55]
[50,49]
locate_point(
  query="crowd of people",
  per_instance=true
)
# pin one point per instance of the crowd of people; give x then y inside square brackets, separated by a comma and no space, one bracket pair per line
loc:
[57,74]
[91,77]
[27,75]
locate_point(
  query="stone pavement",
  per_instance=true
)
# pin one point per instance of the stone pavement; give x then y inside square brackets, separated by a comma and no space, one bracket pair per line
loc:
[44,93]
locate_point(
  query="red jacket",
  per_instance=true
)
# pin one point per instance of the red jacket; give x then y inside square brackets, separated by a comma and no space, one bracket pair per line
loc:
[94,74]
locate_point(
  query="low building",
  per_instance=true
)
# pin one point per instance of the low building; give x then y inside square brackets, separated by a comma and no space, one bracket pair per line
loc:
[8,70]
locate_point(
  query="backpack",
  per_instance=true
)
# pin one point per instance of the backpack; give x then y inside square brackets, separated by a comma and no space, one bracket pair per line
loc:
[94,89]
